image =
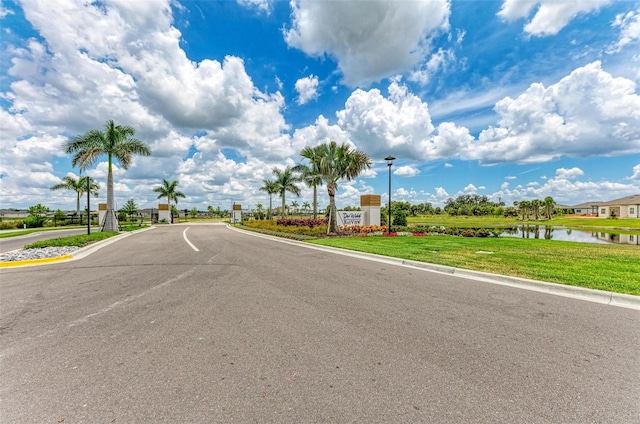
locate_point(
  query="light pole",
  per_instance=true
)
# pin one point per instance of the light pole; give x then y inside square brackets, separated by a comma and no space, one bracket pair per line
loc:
[389,160]
[88,205]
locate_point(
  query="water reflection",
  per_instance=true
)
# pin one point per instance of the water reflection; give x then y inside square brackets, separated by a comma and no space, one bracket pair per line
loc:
[549,232]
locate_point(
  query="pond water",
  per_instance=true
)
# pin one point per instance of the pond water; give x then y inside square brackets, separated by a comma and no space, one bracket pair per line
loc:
[568,234]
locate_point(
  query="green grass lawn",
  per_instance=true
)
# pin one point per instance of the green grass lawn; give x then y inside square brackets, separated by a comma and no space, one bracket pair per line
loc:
[613,268]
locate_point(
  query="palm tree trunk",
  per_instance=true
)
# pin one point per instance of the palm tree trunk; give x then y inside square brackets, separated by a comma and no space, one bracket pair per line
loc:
[78,204]
[270,207]
[110,220]
[332,227]
[283,205]
[315,202]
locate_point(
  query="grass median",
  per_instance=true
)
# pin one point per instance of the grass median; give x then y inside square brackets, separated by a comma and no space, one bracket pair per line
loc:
[614,268]
[79,240]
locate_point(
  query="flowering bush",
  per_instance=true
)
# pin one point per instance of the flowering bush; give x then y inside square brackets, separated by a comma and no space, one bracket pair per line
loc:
[293,222]
[362,229]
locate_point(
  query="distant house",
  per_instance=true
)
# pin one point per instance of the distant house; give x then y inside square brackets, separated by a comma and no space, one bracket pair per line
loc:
[625,207]
[13,213]
[587,208]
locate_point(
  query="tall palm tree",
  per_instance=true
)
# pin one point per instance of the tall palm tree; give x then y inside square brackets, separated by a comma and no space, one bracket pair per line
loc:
[286,181]
[338,162]
[294,207]
[549,205]
[306,206]
[310,174]
[271,188]
[535,205]
[117,142]
[170,191]
[78,185]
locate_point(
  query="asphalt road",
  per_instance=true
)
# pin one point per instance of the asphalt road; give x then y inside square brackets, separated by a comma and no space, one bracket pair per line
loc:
[244,329]
[13,243]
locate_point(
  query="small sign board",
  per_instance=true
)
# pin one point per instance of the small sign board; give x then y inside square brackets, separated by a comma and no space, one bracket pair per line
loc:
[346,218]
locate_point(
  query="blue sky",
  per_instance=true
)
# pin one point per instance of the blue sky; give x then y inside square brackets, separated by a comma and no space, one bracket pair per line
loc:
[510,99]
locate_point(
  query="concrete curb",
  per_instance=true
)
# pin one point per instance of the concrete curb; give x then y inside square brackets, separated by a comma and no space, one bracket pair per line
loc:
[28,262]
[590,295]
[78,254]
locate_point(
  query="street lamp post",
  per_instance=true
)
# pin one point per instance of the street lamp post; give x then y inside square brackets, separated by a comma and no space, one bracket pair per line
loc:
[88,205]
[389,160]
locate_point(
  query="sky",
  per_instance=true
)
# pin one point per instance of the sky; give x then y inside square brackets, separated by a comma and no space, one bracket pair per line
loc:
[512,99]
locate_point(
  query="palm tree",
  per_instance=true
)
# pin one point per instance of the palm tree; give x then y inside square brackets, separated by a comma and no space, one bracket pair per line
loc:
[549,205]
[116,142]
[310,174]
[335,163]
[286,181]
[524,207]
[259,211]
[295,206]
[130,208]
[306,206]
[79,186]
[169,190]
[271,188]
[535,205]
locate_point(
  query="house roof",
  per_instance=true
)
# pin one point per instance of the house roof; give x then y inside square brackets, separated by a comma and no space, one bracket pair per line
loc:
[586,205]
[629,200]
[562,206]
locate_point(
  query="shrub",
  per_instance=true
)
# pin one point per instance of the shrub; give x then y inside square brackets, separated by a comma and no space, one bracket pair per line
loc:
[10,225]
[314,231]
[34,221]
[362,229]
[79,240]
[399,218]
[287,222]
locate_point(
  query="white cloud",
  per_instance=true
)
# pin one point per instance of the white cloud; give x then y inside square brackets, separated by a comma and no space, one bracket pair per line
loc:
[129,53]
[636,173]
[567,188]
[406,171]
[448,165]
[400,124]
[438,61]
[307,89]
[550,15]
[568,174]
[4,11]
[587,113]
[122,60]
[369,40]
[470,189]
[629,24]
[318,133]
[510,177]
[261,5]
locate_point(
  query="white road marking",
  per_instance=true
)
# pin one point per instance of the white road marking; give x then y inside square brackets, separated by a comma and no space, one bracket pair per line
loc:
[184,234]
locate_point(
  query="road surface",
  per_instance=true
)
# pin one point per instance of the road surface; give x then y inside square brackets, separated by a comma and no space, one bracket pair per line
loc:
[12,243]
[202,324]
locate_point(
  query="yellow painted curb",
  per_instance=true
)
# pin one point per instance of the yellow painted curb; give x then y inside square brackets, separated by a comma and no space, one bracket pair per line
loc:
[9,264]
